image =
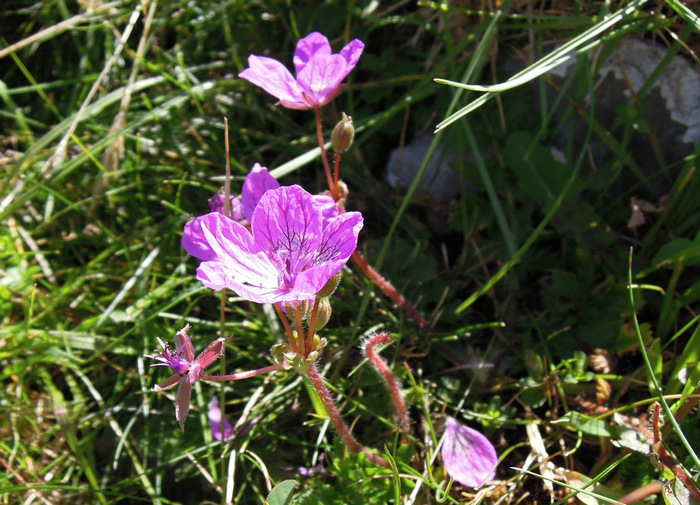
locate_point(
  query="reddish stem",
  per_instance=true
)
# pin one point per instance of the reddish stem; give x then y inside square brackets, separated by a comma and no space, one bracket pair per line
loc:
[300,332]
[337,420]
[333,188]
[391,292]
[642,492]
[290,334]
[383,369]
[336,170]
[244,375]
[312,326]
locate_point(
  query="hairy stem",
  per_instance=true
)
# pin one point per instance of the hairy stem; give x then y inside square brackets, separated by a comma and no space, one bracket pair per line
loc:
[383,369]
[391,292]
[337,420]
[244,375]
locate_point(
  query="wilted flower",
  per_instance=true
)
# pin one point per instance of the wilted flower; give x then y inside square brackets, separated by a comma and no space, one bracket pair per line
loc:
[469,457]
[187,368]
[319,72]
[290,254]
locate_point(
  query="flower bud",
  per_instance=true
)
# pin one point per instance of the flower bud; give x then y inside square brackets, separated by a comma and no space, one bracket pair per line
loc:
[343,134]
[324,313]
[330,286]
[292,308]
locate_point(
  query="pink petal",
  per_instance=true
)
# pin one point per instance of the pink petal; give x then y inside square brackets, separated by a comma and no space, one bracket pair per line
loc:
[195,243]
[274,78]
[338,243]
[182,403]
[215,421]
[352,52]
[212,275]
[320,79]
[314,44]
[183,344]
[339,239]
[256,184]
[287,225]
[469,457]
[329,209]
[168,383]
[239,266]
[211,353]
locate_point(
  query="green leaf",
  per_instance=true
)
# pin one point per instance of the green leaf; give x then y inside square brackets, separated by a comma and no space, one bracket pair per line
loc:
[282,493]
[587,425]
[319,408]
[675,493]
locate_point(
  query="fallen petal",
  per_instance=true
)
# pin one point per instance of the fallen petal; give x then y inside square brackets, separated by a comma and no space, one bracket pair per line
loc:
[469,457]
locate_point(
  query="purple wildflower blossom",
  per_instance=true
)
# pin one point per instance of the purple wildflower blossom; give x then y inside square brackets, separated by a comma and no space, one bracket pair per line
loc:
[319,72]
[469,457]
[256,184]
[187,368]
[289,256]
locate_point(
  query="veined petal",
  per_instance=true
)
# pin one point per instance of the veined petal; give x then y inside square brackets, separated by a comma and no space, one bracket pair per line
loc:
[182,403]
[273,77]
[468,455]
[314,44]
[287,226]
[352,52]
[320,79]
[339,239]
[238,263]
[338,243]
[256,184]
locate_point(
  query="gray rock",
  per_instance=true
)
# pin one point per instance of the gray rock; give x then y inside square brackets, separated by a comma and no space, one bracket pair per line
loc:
[439,180]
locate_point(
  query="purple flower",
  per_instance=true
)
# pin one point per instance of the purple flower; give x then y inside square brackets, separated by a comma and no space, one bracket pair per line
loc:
[256,184]
[319,72]
[289,255]
[187,368]
[469,457]
[219,424]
